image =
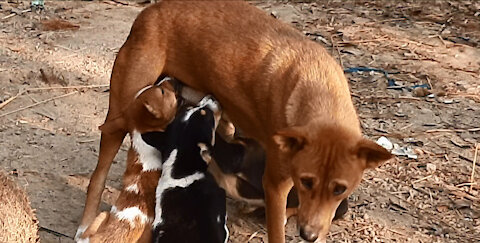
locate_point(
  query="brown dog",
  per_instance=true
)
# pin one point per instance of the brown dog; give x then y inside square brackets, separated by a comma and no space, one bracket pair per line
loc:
[277,86]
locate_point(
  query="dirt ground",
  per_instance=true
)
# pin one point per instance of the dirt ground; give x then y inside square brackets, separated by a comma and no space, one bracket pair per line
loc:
[59,77]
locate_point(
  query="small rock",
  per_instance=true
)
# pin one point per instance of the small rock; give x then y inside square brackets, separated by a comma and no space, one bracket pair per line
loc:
[448,101]
[420,92]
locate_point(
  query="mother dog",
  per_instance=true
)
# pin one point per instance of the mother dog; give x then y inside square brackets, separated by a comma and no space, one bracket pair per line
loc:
[277,86]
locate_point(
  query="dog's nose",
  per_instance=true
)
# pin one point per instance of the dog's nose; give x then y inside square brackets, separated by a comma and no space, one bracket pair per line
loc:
[308,235]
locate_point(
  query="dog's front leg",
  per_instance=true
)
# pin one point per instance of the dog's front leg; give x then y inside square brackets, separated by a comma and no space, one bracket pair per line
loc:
[276,185]
[109,146]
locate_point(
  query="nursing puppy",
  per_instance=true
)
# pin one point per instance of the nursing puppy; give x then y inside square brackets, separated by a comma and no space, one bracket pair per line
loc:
[132,214]
[190,206]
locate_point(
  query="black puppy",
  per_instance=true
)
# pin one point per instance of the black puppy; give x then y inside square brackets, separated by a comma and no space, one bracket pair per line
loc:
[190,206]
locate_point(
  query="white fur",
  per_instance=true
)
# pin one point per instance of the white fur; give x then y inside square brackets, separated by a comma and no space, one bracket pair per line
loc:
[167,182]
[132,188]
[207,101]
[130,214]
[148,156]
[81,229]
[226,230]
[80,240]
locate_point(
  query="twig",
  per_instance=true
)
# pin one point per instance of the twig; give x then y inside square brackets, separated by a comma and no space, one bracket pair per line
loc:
[429,83]
[22,92]
[70,87]
[252,236]
[120,2]
[362,41]
[58,234]
[396,232]
[421,179]
[3,104]
[38,103]
[384,21]
[16,13]
[338,51]
[473,167]
[453,130]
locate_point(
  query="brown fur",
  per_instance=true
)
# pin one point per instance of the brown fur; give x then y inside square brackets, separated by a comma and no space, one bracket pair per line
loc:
[277,86]
[18,222]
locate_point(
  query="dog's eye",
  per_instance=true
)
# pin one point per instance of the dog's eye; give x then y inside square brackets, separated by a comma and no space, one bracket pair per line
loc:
[307,182]
[339,190]
[163,92]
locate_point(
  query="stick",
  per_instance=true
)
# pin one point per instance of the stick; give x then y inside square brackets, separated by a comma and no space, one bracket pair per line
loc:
[338,51]
[473,167]
[362,41]
[421,179]
[453,130]
[14,14]
[70,87]
[38,103]
[3,104]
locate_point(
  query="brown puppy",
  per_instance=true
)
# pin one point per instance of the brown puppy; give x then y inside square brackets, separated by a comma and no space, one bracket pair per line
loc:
[277,86]
[152,110]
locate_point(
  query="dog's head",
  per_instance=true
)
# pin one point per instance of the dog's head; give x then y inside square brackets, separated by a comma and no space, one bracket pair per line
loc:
[327,164]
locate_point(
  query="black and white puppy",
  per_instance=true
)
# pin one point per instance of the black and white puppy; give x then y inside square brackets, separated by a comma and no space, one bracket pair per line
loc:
[190,206]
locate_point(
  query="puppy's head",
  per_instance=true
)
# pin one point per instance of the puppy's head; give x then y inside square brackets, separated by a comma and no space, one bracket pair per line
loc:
[327,164]
[153,109]
[202,120]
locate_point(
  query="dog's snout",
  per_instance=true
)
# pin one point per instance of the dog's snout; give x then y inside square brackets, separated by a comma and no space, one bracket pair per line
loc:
[308,234]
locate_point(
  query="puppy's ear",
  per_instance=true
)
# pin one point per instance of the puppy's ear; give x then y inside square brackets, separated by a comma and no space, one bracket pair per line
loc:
[290,140]
[373,153]
[113,126]
[153,108]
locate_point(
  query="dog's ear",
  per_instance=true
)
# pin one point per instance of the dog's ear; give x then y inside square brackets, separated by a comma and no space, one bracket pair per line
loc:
[373,153]
[290,140]
[114,125]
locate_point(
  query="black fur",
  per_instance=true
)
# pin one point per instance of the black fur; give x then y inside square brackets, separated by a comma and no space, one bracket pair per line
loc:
[196,213]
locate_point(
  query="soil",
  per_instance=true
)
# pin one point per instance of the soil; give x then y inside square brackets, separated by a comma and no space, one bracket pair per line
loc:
[51,147]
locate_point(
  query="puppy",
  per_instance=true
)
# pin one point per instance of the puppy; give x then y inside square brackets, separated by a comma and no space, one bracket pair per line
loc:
[132,214]
[190,206]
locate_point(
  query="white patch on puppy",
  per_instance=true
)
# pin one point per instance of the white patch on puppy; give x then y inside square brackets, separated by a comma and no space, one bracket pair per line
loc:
[130,214]
[132,188]
[148,156]
[167,182]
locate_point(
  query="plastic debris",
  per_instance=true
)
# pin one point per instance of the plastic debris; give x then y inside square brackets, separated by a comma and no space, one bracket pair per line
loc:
[384,142]
[404,151]
[37,4]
